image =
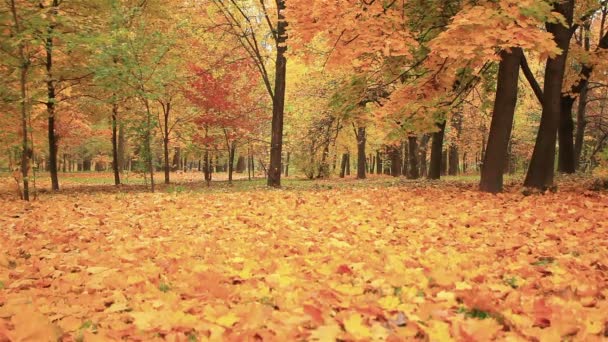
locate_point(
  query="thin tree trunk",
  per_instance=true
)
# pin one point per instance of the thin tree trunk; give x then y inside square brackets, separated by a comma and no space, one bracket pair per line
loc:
[278,103]
[436,152]
[378,163]
[166,113]
[26,150]
[287,164]
[361,140]
[581,124]
[51,99]
[413,172]
[395,155]
[343,165]
[502,121]
[115,165]
[148,145]
[231,153]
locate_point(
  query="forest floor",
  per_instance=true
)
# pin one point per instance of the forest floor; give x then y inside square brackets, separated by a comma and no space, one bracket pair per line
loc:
[318,260]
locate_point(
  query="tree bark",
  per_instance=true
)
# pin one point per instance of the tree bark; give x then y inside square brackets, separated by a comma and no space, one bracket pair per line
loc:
[343,165]
[26,150]
[436,152]
[395,155]
[231,154]
[167,167]
[541,170]
[378,163]
[361,140]
[278,103]
[51,99]
[115,165]
[287,163]
[502,122]
[565,161]
[413,171]
[581,124]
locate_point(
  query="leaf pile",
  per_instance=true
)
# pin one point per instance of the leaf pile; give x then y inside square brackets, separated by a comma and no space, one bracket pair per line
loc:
[352,264]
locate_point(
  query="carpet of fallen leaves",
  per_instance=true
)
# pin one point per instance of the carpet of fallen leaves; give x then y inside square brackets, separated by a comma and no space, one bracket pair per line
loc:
[395,263]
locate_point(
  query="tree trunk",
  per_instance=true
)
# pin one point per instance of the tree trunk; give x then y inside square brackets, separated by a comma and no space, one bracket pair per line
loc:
[581,124]
[413,172]
[565,161]
[148,145]
[541,171]
[343,165]
[502,121]
[51,99]
[361,139]
[278,103]
[166,113]
[436,152]
[115,166]
[395,155]
[207,166]
[444,162]
[287,164]
[378,163]
[404,158]
[26,150]
[231,153]
[121,146]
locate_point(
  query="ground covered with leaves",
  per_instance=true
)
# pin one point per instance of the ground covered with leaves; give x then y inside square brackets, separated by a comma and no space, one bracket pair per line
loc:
[436,262]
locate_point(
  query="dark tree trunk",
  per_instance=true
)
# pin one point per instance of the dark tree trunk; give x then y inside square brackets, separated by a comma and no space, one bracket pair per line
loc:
[541,171]
[436,152]
[121,146]
[378,163]
[278,103]
[581,124]
[404,158]
[115,165]
[361,139]
[343,165]
[444,162]
[231,153]
[565,161]
[395,155]
[207,166]
[348,164]
[240,164]
[26,150]
[413,158]
[166,113]
[51,99]
[454,160]
[502,122]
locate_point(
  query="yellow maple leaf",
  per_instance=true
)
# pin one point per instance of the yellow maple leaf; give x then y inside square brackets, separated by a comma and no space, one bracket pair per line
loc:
[355,326]
[326,333]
